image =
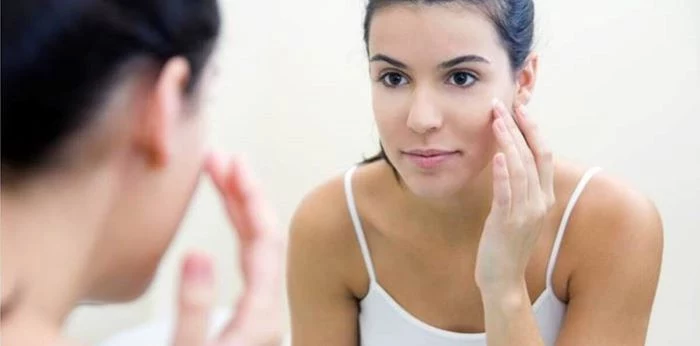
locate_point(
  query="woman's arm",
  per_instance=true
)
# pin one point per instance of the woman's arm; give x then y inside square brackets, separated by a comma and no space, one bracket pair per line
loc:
[509,319]
[613,282]
[322,306]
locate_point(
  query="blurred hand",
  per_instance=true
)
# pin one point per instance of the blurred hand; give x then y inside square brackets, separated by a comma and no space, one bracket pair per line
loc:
[258,319]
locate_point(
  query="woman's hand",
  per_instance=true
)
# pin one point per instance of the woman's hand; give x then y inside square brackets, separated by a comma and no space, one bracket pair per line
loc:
[523,194]
[258,319]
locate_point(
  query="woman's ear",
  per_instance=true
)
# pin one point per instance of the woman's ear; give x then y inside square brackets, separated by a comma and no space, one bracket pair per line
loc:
[165,105]
[525,80]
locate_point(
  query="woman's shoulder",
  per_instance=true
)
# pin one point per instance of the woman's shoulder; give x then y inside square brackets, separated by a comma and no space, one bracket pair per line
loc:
[324,211]
[612,221]
[607,201]
[322,236]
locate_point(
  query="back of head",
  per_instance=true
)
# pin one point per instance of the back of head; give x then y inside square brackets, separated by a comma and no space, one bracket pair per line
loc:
[60,58]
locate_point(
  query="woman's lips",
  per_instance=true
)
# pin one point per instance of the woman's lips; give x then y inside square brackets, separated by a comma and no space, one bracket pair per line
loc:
[430,158]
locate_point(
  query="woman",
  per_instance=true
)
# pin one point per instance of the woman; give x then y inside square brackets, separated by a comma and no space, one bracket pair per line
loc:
[464,230]
[101,152]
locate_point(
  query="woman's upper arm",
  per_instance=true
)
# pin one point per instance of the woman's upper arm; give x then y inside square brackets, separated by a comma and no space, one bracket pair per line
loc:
[323,308]
[612,287]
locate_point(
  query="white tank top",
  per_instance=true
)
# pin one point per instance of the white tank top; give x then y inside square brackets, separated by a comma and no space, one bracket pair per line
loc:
[382,321]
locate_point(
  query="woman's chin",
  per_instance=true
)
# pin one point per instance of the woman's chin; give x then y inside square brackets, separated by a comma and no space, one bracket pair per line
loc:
[446,185]
[433,187]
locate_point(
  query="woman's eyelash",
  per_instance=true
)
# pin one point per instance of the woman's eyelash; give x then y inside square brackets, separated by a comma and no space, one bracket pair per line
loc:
[392,79]
[459,78]
[462,78]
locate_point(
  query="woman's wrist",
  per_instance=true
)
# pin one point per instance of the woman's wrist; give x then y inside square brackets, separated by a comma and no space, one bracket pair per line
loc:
[505,295]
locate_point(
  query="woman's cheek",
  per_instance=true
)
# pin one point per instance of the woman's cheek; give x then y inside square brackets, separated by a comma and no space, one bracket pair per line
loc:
[472,114]
[389,110]
[472,122]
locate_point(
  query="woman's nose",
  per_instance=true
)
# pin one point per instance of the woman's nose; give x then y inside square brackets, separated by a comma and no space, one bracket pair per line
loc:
[424,116]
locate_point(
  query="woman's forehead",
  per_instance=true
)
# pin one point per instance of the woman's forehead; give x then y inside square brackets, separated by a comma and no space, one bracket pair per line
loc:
[432,32]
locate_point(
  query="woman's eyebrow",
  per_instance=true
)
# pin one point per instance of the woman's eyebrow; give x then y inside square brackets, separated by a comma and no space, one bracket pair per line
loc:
[392,61]
[462,59]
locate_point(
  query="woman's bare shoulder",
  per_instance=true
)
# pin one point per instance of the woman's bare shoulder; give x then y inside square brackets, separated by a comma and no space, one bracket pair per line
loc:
[608,207]
[612,225]
[323,237]
[323,213]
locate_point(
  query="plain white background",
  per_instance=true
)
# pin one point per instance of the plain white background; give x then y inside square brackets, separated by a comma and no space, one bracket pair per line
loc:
[619,87]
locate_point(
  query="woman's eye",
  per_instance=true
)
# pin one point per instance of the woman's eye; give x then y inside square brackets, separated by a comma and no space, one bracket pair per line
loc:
[393,79]
[462,79]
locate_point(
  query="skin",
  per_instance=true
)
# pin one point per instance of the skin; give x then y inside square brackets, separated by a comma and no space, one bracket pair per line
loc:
[483,222]
[109,210]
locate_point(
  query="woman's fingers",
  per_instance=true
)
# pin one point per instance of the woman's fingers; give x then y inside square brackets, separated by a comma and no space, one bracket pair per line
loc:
[525,153]
[219,169]
[542,153]
[258,319]
[255,214]
[241,192]
[518,176]
[195,301]
[501,186]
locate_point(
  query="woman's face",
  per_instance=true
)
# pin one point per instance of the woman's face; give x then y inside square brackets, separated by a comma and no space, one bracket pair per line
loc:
[435,70]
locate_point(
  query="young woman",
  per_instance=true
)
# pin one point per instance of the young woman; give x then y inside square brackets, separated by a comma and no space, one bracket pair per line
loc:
[101,152]
[465,229]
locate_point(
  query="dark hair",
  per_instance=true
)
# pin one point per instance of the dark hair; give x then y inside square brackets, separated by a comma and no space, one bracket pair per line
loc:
[61,57]
[513,20]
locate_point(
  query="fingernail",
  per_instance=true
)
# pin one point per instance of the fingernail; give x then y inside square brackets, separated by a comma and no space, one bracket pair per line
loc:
[198,269]
[497,108]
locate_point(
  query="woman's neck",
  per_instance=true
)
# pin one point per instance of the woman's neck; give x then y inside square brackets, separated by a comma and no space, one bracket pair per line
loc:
[458,217]
[48,231]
